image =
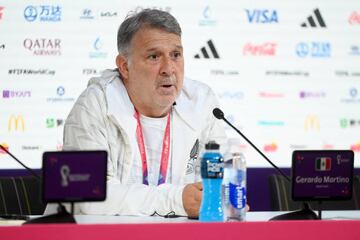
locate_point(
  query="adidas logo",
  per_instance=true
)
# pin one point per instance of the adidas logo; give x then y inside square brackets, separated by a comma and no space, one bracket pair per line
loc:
[205,52]
[311,20]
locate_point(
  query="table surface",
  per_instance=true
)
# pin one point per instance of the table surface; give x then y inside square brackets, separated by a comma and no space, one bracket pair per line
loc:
[335,225]
[250,217]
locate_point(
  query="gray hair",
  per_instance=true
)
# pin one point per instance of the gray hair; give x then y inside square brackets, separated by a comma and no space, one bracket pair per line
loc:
[146,18]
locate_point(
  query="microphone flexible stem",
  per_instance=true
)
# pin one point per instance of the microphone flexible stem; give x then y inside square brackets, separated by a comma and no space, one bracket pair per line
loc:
[27,168]
[263,155]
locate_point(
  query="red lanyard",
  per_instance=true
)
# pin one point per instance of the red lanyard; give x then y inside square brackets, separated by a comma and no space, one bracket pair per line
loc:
[164,154]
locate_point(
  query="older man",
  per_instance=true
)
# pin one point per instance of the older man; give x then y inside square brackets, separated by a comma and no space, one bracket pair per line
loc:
[151,122]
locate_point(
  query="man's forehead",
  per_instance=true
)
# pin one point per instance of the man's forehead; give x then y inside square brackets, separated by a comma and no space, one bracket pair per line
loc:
[161,47]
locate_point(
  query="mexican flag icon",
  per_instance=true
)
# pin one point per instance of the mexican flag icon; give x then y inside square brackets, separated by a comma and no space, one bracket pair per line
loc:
[323,164]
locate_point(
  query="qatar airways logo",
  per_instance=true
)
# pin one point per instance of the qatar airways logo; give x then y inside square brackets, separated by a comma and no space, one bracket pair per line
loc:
[43,46]
[354,18]
[265,49]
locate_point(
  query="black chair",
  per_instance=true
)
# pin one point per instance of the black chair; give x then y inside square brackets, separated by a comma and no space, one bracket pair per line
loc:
[20,196]
[280,197]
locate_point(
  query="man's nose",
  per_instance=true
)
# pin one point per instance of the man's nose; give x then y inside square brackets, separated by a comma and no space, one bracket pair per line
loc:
[167,66]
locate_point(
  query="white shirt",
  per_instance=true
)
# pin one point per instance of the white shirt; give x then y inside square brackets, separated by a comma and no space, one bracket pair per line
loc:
[153,132]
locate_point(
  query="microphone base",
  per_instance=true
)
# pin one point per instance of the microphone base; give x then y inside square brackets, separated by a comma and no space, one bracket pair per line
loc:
[63,216]
[306,213]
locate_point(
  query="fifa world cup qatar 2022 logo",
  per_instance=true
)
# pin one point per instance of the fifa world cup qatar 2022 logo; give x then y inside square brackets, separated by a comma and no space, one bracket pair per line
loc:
[67,177]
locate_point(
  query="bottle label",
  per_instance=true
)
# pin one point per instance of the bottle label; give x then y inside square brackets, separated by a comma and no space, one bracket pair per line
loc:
[237,196]
[212,167]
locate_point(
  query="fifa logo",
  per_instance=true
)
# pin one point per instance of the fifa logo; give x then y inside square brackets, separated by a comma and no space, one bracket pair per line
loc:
[65,172]
[312,123]
[16,123]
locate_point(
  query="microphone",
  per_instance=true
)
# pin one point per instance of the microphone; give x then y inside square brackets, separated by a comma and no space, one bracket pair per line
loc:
[305,212]
[61,217]
[220,115]
[27,168]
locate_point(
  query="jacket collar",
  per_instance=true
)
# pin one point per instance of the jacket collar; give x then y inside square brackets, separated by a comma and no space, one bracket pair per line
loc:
[120,105]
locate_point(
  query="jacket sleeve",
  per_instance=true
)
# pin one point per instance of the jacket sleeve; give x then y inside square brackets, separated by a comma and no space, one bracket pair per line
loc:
[86,129]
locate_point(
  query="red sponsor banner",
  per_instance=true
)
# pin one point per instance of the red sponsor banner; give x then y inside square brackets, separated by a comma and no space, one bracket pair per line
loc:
[265,49]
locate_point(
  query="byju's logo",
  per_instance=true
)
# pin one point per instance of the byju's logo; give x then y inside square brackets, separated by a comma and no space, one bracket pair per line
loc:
[205,52]
[87,14]
[1,12]
[354,18]
[16,94]
[43,46]
[312,94]
[262,16]
[265,49]
[207,19]
[312,19]
[313,49]
[43,13]
[16,123]
[98,52]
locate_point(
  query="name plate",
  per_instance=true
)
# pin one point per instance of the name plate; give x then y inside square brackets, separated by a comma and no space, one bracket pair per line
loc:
[322,174]
[74,176]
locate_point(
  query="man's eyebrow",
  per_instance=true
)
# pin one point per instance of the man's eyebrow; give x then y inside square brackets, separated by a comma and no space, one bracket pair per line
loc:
[154,49]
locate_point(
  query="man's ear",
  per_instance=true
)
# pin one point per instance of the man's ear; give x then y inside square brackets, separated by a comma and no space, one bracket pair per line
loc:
[121,63]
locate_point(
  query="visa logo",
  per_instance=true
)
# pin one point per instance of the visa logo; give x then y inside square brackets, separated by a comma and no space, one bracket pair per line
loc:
[262,16]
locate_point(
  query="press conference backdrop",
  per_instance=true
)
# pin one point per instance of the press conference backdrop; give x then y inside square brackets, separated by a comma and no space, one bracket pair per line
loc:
[287,74]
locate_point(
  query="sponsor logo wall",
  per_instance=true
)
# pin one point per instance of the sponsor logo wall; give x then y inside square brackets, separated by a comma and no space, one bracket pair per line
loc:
[286,74]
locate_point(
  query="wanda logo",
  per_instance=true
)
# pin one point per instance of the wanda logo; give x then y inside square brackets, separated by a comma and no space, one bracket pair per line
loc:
[354,18]
[265,49]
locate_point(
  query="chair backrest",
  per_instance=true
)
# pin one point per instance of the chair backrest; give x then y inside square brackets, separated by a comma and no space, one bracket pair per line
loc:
[21,195]
[280,197]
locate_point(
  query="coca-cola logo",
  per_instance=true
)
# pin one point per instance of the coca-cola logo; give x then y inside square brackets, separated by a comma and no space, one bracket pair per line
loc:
[354,18]
[265,49]
[43,46]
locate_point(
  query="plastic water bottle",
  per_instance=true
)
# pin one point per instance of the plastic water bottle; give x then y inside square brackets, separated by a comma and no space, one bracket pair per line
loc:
[234,183]
[212,176]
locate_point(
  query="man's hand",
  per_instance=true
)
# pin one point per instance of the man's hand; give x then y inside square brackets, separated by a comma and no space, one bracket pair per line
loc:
[191,197]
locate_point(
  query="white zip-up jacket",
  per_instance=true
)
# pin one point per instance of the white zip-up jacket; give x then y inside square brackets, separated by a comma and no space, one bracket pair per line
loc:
[103,119]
